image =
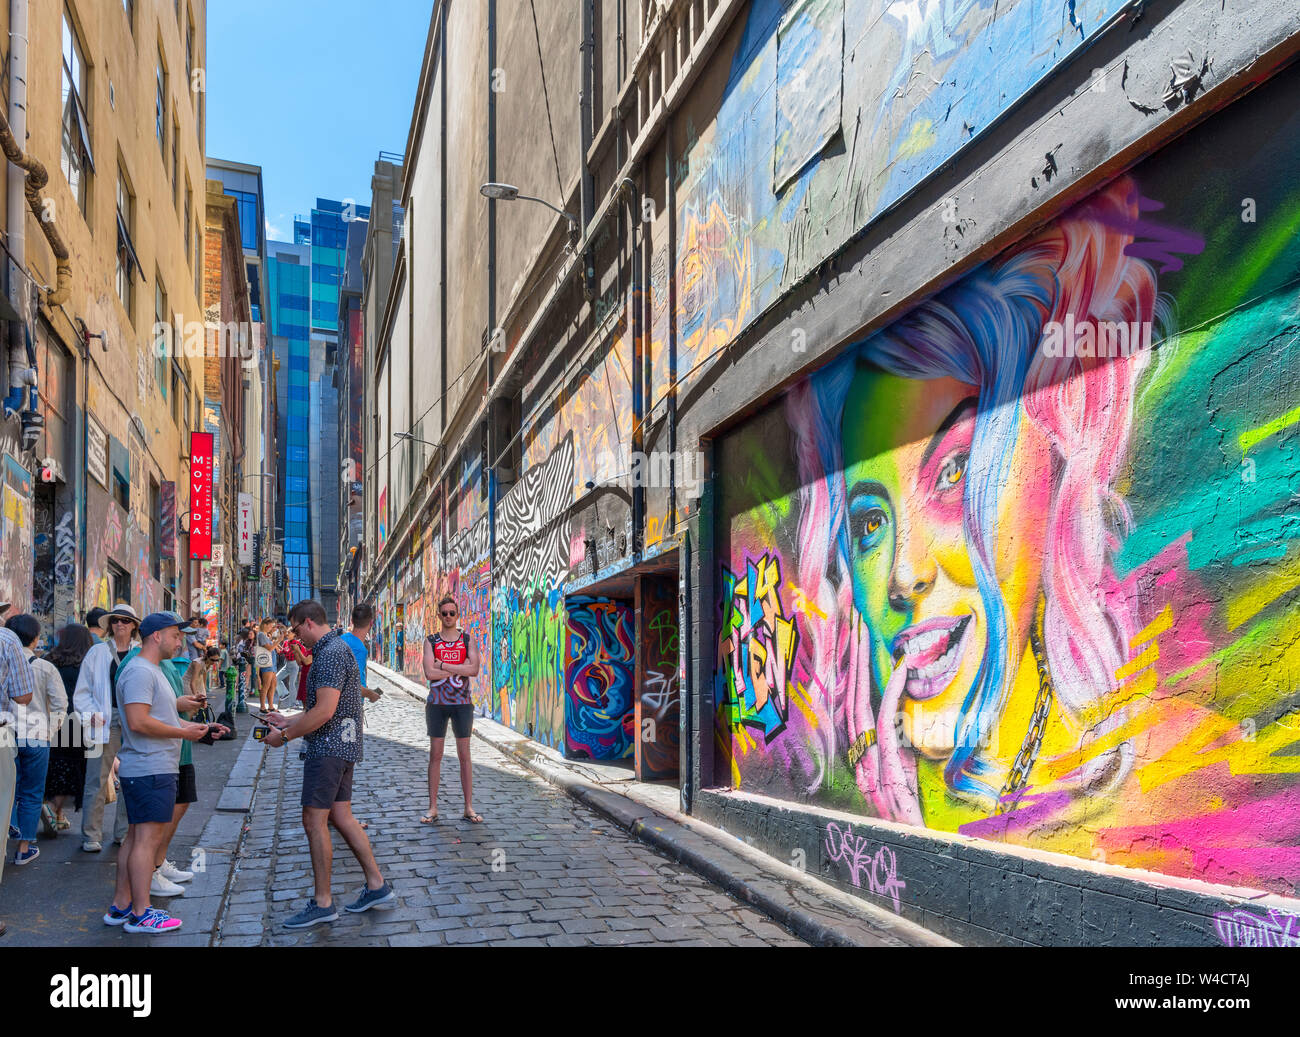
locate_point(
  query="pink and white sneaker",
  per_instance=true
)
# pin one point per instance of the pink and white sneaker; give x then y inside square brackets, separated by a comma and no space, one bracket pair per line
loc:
[154,922]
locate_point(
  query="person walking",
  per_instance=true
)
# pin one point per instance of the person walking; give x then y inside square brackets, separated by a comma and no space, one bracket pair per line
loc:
[66,778]
[96,701]
[363,617]
[449,662]
[17,688]
[331,727]
[43,714]
[94,620]
[152,732]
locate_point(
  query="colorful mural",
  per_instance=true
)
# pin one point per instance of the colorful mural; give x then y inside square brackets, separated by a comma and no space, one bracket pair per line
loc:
[1020,575]
[528,664]
[832,112]
[599,680]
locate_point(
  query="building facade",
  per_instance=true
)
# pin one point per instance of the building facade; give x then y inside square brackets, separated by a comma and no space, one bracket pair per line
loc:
[258,594]
[104,274]
[899,452]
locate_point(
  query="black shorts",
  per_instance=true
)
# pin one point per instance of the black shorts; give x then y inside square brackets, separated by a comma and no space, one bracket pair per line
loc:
[436,717]
[188,789]
[149,799]
[326,780]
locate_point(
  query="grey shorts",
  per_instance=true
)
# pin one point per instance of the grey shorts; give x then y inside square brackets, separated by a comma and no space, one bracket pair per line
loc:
[326,780]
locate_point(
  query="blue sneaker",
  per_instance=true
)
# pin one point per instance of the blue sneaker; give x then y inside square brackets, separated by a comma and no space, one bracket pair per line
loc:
[117,915]
[312,914]
[21,858]
[372,898]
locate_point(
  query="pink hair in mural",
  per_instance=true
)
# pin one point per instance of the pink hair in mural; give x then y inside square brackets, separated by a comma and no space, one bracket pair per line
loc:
[987,331]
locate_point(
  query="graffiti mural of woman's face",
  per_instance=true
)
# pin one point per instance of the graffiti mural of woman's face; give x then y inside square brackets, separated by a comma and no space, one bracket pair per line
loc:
[907,444]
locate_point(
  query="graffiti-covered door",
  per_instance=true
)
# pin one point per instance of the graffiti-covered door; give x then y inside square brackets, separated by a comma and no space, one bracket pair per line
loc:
[658,683]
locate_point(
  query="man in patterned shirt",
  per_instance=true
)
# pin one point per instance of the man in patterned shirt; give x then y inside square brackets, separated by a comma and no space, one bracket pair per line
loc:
[17,686]
[331,729]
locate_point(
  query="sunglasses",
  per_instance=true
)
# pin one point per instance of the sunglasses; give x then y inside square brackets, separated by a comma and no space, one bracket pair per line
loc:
[452,613]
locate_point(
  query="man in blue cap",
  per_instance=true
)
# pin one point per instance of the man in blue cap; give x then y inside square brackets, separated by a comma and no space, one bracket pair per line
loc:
[149,769]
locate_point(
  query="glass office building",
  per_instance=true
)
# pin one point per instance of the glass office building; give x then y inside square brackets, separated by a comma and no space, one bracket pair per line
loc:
[289,291]
[304,283]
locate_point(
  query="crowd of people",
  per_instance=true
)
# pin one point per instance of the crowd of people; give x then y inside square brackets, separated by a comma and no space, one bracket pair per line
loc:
[111,710]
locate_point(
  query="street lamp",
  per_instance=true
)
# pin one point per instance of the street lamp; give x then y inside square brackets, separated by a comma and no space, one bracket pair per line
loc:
[414,439]
[509,193]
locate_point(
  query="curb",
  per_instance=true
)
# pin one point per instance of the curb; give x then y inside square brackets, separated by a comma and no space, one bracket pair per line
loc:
[842,921]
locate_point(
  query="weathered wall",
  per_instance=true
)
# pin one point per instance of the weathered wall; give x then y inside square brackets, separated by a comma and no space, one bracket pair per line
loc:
[658,703]
[970,584]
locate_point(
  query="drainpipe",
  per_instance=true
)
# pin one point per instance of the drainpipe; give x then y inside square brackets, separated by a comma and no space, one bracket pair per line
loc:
[18,366]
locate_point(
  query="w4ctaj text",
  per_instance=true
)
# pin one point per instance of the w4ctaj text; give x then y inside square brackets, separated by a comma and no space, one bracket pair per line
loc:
[1227,979]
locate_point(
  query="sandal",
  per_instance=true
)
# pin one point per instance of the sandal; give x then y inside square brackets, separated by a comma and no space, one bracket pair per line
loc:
[429,819]
[473,818]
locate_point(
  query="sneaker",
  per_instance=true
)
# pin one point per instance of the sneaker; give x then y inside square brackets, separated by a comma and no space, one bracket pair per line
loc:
[311,915]
[117,915]
[161,886]
[26,858]
[172,873]
[154,922]
[91,846]
[372,898]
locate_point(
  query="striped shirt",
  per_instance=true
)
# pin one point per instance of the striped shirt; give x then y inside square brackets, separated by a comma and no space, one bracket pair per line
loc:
[454,690]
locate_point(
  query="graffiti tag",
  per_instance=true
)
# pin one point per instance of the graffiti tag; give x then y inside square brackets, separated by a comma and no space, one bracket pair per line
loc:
[880,870]
[1247,929]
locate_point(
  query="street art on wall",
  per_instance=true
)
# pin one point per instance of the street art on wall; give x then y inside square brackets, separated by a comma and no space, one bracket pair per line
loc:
[528,664]
[599,679]
[1042,579]
[831,113]
[658,713]
[114,535]
[16,530]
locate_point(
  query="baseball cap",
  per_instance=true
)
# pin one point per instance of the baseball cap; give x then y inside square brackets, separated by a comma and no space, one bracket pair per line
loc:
[156,621]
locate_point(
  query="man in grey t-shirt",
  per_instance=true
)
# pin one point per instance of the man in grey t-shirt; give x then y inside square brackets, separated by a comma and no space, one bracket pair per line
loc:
[149,766]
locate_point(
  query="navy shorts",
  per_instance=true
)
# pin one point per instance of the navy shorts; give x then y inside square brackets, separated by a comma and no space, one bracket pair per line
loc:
[437,715]
[151,798]
[326,780]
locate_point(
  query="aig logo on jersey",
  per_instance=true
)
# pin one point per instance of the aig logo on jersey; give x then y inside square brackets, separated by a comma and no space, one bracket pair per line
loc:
[93,990]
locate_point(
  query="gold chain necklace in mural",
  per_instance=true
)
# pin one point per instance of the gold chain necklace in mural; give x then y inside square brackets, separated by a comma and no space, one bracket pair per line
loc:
[1009,798]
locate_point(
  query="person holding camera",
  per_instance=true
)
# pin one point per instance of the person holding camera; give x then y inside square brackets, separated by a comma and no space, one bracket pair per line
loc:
[149,769]
[332,728]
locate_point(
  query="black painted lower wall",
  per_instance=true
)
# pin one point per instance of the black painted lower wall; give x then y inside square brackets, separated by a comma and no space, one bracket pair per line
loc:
[978,893]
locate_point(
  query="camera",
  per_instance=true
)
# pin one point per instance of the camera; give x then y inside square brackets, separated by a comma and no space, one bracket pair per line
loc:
[260,733]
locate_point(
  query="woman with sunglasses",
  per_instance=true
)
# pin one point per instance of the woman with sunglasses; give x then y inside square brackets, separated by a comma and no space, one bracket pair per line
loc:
[449,661]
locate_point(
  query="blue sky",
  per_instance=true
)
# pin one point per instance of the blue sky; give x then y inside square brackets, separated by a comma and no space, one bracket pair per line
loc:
[312,91]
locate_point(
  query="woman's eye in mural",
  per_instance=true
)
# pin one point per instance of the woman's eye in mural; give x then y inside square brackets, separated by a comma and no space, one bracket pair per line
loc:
[952,472]
[868,520]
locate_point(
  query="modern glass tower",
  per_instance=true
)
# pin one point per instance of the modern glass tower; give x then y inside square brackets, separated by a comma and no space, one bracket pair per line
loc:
[289,309]
[304,283]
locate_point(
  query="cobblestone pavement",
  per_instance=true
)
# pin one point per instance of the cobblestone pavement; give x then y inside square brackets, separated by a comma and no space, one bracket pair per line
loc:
[540,870]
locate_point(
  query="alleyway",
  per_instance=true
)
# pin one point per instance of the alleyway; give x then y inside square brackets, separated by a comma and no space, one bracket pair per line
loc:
[540,869]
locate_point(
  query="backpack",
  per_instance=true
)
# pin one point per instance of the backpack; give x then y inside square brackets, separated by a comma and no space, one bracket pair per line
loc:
[227,719]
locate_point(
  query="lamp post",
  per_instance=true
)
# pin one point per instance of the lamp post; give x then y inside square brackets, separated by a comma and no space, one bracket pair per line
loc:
[510,193]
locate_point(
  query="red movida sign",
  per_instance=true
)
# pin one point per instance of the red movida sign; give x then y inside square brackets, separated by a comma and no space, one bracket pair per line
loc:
[200,495]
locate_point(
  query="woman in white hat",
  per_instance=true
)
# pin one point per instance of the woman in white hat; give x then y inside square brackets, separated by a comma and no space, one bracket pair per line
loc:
[96,702]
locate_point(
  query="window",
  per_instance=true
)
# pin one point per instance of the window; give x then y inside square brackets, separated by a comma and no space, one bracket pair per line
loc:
[160,105]
[128,8]
[75,156]
[180,405]
[198,265]
[127,261]
[155,530]
[119,579]
[189,205]
[189,47]
[176,166]
[160,317]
